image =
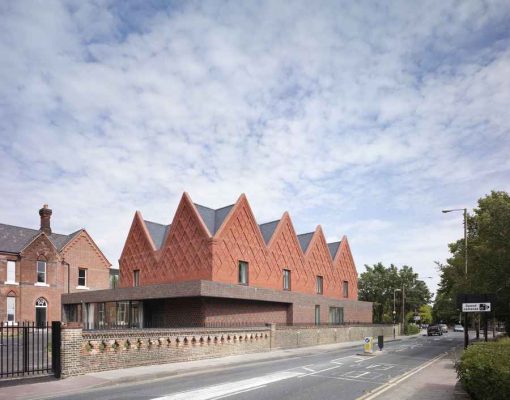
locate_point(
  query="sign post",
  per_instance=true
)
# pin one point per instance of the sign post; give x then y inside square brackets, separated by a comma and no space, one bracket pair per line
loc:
[367,345]
[473,303]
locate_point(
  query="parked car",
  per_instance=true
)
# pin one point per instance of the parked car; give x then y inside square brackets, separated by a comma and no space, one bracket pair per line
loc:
[458,328]
[434,330]
[444,328]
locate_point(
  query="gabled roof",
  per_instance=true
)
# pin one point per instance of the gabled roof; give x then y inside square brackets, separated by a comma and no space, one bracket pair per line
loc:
[333,248]
[158,232]
[13,239]
[304,240]
[268,229]
[213,218]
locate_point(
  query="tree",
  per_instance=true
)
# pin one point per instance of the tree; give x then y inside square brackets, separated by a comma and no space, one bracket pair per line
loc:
[377,284]
[425,312]
[488,256]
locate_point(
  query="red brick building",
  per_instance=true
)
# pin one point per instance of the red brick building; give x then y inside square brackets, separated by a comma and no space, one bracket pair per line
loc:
[219,266]
[37,266]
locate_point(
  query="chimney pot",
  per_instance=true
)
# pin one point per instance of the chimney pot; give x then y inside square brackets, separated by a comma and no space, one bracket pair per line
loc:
[45,214]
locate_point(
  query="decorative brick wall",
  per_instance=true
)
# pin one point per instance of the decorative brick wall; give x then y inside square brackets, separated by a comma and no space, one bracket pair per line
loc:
[84,352]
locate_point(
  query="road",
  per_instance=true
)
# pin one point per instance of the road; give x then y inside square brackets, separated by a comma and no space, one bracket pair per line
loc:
[340,374]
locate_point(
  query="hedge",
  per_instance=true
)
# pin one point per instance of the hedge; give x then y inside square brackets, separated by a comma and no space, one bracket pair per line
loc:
[484,370]
[411,329]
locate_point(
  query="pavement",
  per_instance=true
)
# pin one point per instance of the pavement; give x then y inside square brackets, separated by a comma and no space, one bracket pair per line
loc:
[438,378]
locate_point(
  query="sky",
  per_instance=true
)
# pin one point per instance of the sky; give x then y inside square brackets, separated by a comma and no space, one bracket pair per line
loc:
[367,118]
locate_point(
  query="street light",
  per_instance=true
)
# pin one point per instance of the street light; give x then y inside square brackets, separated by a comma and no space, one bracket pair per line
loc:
[466,334]
[394,311]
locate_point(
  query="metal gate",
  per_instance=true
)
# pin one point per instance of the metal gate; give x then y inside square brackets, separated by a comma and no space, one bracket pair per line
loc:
[27,348]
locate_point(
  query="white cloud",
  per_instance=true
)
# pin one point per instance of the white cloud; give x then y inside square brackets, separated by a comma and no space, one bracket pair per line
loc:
[366,118]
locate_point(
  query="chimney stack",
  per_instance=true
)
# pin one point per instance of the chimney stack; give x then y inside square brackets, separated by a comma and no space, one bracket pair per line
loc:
[45,214]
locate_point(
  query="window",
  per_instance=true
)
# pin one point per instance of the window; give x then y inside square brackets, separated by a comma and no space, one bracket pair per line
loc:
[317,315]
[286,279]
[41,271]
[136,277]
[82,277]
[319,285]
[345,288]
[336,315]
[41,305]
[11,271]
[11,310]
[243,272]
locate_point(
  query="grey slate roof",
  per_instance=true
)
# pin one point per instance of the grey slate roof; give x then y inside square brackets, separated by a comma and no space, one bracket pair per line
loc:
[268,229]
[158,232]
[333,248]
[213,218]
[304,240]
[14,238]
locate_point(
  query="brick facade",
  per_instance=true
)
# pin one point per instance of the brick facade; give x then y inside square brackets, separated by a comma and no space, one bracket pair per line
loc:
[61,273]
[191,252]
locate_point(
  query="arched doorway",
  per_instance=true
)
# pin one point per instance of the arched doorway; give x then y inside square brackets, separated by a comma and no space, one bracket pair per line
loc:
[41,307]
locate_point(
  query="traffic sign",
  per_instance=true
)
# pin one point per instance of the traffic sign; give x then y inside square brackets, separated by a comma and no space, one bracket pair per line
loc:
[476,307]
[367,344]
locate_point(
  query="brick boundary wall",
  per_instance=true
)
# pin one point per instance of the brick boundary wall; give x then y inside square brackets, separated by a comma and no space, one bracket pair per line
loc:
[83,352]
[292,337]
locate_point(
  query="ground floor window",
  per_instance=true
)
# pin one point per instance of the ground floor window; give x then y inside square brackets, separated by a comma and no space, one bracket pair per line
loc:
[317,315]
[11,310]
[41,307]
[336,315]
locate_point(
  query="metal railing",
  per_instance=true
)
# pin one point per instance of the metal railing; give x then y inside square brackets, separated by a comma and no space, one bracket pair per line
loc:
[173,325]
[26,348]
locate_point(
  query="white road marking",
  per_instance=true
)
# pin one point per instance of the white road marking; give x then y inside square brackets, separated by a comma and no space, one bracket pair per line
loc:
[308,369]
[319,371]
[230,388]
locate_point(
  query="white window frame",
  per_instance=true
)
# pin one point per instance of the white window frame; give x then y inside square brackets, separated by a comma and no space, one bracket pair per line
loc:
[11,307]
[85,285]
[37,283]
[11,273]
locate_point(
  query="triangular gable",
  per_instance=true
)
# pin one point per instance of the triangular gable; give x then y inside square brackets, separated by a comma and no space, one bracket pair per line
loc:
[242,211]
[318,244]
[83,233]
[138,236]
[35,238]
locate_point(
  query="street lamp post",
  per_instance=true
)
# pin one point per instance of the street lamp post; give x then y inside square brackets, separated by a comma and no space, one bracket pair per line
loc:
[394,312]
[466,334]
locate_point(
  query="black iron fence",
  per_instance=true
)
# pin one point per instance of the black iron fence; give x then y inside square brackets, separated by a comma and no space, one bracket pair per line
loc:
[27,348]
[329,324]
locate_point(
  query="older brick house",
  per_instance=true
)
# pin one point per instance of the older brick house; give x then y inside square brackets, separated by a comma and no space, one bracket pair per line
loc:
[212,267]
[37,266]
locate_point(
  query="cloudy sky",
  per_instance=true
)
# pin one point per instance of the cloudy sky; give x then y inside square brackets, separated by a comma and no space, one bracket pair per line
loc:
[365,117]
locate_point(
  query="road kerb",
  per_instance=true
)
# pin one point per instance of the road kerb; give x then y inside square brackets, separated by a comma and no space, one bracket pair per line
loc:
[393,382]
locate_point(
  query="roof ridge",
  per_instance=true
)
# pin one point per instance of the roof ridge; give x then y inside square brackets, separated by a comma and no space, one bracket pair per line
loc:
[153,222]
[270,222]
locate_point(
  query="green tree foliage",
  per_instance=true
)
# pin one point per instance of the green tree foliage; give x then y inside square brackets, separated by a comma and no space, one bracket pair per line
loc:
[425,312]
[488,256]
[378,283]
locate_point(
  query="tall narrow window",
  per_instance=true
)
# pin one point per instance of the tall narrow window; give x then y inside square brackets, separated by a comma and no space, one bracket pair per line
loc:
[317,315]
[136,277]
[243,273]
[345,287]
[82,277]
[286,279]
[11,271]
[41,271]
[336,315]
[319,285]
[11,310]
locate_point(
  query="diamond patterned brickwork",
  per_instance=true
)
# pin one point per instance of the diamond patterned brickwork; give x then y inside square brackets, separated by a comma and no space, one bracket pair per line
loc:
[186,255]
[190,253]
[138,254]
[344,262]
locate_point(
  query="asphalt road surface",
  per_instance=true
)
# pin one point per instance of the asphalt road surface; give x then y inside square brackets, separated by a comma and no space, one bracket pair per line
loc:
[340,374]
